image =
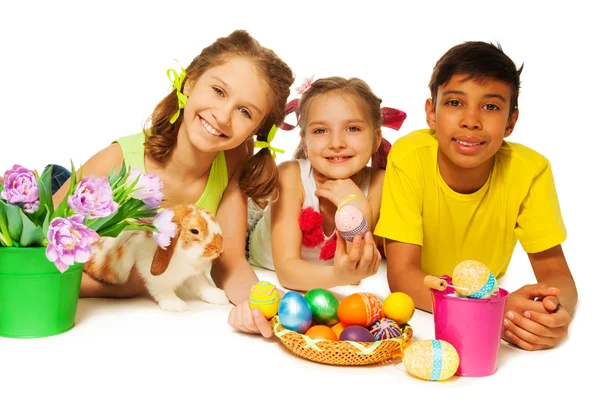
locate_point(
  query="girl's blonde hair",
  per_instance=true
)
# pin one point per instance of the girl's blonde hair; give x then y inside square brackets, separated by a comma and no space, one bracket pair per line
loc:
[355,87]
[258,179]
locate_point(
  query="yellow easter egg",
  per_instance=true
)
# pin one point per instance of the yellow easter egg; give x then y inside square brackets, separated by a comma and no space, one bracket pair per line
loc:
[434,360]
[472,278]
[265,297]
[399,306]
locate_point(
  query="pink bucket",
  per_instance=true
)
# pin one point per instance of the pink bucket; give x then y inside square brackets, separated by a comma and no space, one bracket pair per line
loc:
[472,326]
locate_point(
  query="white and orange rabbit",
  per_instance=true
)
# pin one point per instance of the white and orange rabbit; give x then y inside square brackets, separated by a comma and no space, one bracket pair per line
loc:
[198,240]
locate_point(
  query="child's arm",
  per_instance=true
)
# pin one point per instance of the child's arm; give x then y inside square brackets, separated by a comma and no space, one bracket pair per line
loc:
[231,271]
[404,272]
[286,242]
[538,316]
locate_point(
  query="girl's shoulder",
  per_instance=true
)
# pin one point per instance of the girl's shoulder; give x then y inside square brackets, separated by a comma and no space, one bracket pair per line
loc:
[290,179]
[106,160]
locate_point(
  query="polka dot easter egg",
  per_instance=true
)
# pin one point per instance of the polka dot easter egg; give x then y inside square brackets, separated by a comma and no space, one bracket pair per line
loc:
[434,360]
[265,297]
[350,222]
[473,279]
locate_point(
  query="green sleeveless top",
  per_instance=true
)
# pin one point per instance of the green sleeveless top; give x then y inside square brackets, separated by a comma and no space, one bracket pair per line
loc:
[132,147]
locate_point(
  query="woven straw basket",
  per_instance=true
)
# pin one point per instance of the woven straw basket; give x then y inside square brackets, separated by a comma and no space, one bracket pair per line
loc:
[342,352]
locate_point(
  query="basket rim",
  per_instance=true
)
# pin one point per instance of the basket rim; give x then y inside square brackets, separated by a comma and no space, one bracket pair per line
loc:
[364,347]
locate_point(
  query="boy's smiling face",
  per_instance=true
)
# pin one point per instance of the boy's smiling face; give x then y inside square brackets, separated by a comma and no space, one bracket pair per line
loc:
[471,119]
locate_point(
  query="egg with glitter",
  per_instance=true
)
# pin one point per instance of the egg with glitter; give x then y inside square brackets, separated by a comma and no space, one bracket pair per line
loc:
[350,222]
[360,309]
[294,312]
[357,333]
[434,360]
[265,296]
[473,279]
[385,328]
[324,306]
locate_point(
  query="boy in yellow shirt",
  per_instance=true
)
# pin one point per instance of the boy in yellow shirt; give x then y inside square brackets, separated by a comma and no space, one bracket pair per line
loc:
[459,191]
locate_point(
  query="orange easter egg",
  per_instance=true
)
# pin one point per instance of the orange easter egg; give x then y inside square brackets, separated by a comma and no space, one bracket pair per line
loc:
[361,309]
[321,332]
[338,328]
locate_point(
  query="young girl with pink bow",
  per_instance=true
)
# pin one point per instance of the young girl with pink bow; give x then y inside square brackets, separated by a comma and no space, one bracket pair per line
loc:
[340,124]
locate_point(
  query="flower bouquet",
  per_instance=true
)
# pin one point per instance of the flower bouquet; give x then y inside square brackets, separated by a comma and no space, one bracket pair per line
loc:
[43,248]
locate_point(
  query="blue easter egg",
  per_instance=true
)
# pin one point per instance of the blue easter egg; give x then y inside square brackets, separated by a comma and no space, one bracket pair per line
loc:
[294,312]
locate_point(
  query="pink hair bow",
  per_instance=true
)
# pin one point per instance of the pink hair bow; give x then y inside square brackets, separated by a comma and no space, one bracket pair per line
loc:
[392,118]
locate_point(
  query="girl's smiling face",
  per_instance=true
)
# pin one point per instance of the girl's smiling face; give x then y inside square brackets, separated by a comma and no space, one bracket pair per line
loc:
[226,105]
[339,138]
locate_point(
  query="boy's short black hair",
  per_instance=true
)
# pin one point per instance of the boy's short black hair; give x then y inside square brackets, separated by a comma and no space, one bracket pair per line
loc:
[479,61]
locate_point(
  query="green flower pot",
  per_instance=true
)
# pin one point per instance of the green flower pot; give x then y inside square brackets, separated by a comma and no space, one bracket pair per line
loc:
[36,299]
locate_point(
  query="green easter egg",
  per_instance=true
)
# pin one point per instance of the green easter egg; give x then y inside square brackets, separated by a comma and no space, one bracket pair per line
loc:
[323,305]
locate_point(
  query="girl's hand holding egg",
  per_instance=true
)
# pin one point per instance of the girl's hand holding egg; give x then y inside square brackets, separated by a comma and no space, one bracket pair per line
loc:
[250,316]
[360,262]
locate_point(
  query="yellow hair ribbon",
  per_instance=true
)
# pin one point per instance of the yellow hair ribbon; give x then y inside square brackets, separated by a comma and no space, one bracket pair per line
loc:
[344,199]
[177,81]
[262,144]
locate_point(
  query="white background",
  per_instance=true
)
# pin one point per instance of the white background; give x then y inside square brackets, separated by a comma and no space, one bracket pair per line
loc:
[74,76]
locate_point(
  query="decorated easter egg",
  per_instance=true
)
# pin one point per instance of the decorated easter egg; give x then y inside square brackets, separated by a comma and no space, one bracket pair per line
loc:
[360,309]
[294,312]
[399,306]
[350,222]
[357,333]
[321,332]
[385,328]
[435,360]
[338,328]
[473,279]
[265,297]
[324,306]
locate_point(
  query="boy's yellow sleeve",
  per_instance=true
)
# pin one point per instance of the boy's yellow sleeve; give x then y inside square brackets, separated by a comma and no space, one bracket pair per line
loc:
[539,224]
[401,217]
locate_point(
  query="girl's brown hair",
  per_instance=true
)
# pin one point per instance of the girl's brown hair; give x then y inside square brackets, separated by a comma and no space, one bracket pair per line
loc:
[354,87]
[258,179]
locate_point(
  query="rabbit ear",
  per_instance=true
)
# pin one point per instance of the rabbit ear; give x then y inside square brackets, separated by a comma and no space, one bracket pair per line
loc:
[162,257]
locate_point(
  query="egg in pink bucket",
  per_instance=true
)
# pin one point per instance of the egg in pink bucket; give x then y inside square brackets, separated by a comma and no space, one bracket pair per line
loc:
[474,279]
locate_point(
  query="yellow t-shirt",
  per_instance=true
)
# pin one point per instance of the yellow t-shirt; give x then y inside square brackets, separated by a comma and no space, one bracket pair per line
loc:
[518,201]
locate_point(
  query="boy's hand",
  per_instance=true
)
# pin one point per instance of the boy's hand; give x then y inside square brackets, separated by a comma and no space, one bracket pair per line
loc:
[534,319]
[361,262]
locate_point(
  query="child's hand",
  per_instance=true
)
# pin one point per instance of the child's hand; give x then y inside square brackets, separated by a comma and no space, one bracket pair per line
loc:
[336,189]
[246,320]
[534,319]
[362,261]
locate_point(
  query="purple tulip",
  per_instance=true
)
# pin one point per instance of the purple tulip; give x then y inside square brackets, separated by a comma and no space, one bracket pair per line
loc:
[69,241]
[93,197]
[165,226]
[148,188]
[20,187]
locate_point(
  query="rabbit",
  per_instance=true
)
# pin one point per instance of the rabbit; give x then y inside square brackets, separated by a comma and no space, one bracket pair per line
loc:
[198,240]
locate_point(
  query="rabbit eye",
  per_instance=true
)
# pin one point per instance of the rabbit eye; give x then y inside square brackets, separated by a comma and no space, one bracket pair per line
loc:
[194,231]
